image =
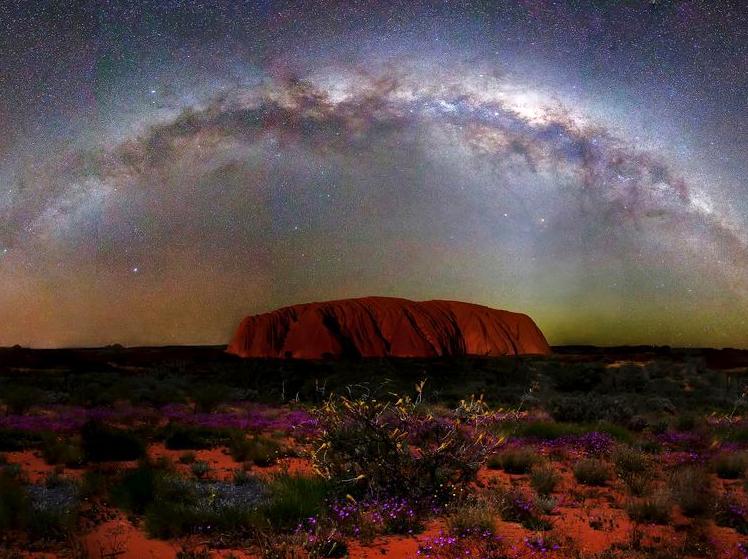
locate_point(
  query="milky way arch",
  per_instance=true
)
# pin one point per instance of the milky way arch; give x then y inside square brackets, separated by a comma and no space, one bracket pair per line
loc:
[347,182]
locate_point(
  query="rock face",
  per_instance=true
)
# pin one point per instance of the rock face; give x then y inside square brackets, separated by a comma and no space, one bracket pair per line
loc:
[386,326]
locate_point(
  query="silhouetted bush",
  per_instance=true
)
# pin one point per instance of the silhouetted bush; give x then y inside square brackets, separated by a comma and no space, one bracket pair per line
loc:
[102,443]
[548,430]
[469,517]
[200,469]
[182,507]
[544,478]
[581,377]
[95,483]
[14,503]
[650,510]
[685,422]
[627,378]
[194,437]
[61,450]
[208,396]
[187,458]
[293,498]
[591,471]
[53,509]
[732,512]
[692,490]
[515,461]
[135,490]
[516,506]
[730,465]
[629,461]
[259,450]
[589,408]
[20,398]
[13,440]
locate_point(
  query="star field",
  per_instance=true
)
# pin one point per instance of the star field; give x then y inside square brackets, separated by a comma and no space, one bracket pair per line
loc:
[170,167]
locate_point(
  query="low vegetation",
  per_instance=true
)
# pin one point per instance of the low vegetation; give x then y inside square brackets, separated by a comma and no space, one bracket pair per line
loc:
[551,452]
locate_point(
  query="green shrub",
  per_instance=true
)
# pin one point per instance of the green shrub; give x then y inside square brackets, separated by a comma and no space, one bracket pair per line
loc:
[592,471]
[102,443]
[660,426]
[14,505]
[544,478]
[19,399]
[194,553]
[325,543]
[207,397]
[650,510]
[12,470]
[94,484]
[194,437]
[293,498]
[469,518]
[692,490]
[516,506]
[261,451]
[581,377]
[187,458]
[685,422]
[321,540]
[737,435]
[638,484]
[14,440]
[135,490]
[58,450]
[649,446]
[589,408]
[731,512]
[181,507]
[730,466]
[549,430]
[200,469]
[241,476]
[628,461]
[619,433]
[545,504]
[515,461]
[53,509]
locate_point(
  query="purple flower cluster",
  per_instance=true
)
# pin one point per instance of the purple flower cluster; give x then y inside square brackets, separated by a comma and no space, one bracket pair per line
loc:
[732,513]
[252,417]
[678,438]
[319,538]
[377,516]
[516,506]
[593,443]
[475,543]
[67,419]
[540,545]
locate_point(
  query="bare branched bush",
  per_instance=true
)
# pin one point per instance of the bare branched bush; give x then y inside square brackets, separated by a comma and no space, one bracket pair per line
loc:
[397,447]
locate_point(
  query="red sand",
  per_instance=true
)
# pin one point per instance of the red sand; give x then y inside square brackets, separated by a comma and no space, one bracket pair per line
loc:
[587,519]
[387,326]
[120,537]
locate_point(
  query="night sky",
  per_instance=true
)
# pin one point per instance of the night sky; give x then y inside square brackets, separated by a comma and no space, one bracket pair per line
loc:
[169,167]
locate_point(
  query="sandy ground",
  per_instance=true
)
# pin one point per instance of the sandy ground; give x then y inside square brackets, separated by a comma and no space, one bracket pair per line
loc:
[588,519]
